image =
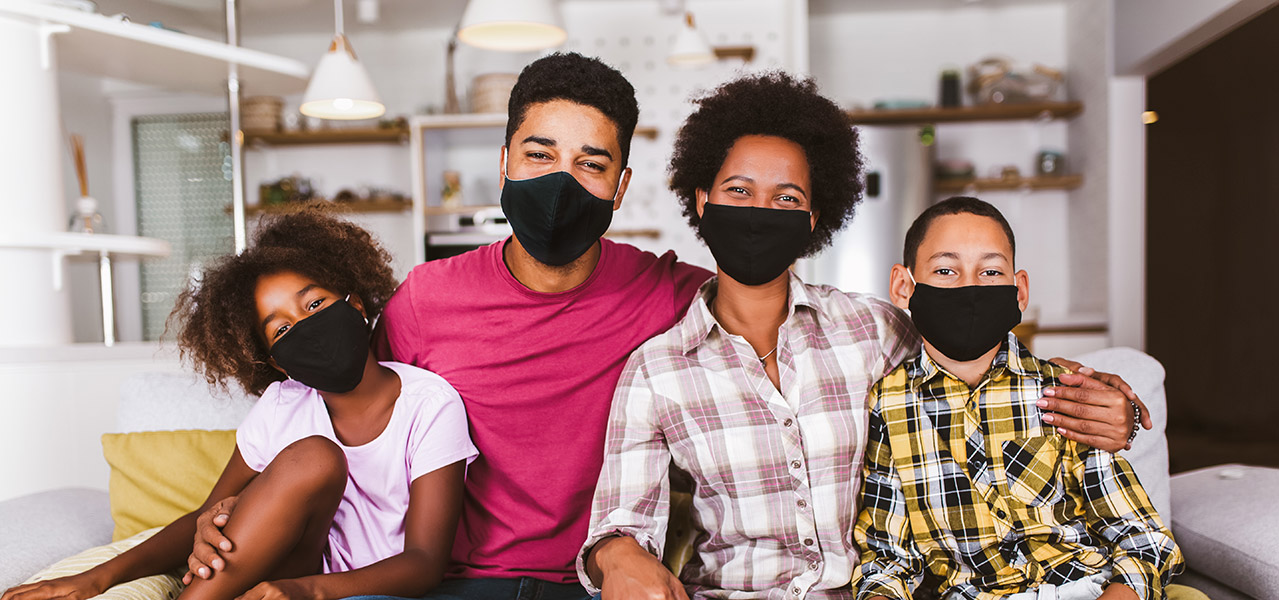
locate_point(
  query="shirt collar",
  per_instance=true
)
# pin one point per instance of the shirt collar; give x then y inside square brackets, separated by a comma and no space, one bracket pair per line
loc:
[699,322]
[923,368]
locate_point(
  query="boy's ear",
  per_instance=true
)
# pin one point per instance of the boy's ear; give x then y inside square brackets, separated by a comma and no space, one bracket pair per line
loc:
[900,287]
[1023,289]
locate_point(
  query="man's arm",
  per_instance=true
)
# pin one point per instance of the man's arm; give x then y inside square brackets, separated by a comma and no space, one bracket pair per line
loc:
[629,514]
[1143,554]
[890,560]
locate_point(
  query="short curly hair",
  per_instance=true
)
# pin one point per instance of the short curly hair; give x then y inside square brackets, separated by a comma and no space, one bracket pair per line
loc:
[217,315]
[581,79]
[772,104]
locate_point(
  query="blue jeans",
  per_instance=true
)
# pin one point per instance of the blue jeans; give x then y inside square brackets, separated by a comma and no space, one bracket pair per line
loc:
[523,588]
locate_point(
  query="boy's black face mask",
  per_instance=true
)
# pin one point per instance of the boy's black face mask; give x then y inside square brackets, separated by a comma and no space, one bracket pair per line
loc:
[754,245]
[327,350]
[965,322]
[554,217]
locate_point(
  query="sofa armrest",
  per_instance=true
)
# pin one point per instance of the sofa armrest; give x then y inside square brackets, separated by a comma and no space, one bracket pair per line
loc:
[40,529]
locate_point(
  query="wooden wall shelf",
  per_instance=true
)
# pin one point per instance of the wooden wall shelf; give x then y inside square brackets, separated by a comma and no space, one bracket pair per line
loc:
[476,120]
[381,135]
[376,206]
[1043,182]
[989,112]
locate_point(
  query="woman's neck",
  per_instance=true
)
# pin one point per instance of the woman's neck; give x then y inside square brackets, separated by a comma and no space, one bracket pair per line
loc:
[360,415]
[754,312]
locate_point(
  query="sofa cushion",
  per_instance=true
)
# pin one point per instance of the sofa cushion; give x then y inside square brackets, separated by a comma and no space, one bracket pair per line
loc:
[1225,522]
[70,520]
[156,587]
[158,476]
[175,401]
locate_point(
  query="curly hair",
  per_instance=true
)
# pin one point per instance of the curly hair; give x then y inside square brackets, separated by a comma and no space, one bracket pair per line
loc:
[576,78]
[772,104]
[218,314]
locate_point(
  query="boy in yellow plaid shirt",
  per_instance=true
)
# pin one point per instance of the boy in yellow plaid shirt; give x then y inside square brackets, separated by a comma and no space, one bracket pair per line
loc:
[966,479]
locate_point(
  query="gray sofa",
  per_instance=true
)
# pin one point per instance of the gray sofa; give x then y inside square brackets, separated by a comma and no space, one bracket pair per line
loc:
[1224,517]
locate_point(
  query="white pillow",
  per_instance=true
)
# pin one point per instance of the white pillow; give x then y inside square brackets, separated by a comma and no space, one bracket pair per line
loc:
[156,587]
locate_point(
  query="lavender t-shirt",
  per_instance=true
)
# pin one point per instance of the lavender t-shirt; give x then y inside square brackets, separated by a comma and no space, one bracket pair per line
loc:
[537,373]
[427,431]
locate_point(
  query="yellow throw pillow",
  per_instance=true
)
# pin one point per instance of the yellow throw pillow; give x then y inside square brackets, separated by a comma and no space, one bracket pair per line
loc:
[158,476]
[156,587]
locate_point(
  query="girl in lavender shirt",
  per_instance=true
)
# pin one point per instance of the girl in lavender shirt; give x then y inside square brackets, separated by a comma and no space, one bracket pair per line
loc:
[348,471]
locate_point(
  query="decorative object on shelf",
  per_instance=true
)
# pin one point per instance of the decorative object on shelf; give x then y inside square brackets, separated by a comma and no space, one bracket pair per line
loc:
[884,115]
[261,113]
[955,168]
[995,81]
[86,219]
[340,88]
[286,190]
[491,92]
[451,195]
[949,96]
[1042,182]
[1050,162]
[692,49]
[511,25]
[1008,172]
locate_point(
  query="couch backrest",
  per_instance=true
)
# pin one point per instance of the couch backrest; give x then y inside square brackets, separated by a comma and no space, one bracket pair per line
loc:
[173,401]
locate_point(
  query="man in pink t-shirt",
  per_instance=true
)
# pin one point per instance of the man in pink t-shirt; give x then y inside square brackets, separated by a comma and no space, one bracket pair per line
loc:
[533,331]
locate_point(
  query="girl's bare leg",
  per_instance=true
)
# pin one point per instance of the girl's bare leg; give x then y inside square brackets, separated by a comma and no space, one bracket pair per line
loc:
[280,525]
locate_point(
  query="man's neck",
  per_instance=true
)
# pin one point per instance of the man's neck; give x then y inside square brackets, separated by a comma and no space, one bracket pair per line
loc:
[541,277]
[754,312]
[970,371]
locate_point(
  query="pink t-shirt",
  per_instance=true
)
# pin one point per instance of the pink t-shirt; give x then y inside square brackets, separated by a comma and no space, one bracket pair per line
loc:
[537,373]
[427,431]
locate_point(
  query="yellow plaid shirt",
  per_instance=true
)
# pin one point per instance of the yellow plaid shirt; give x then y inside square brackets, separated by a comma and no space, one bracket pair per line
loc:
[970,486]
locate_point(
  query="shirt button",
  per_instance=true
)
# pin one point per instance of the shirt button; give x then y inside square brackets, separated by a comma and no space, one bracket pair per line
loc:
[1000,513]
[808,541]
[812,566]
[787,423]
[800,503]
[794,464]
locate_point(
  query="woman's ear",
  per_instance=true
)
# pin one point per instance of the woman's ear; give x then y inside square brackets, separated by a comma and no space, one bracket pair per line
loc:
[702,197]
[900,286]
[813,216]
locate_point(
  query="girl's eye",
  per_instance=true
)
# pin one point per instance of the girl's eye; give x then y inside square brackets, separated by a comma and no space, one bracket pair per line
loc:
[315,304]
[280,331]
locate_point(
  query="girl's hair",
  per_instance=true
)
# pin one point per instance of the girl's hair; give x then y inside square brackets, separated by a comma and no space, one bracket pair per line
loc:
[218,313]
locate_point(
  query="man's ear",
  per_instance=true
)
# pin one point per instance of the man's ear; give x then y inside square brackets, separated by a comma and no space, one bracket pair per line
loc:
[702,197]
[501,168]
[900,286]
[622,184]
[1023,289]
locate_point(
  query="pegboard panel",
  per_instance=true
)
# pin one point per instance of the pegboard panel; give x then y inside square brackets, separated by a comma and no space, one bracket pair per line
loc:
[634,36]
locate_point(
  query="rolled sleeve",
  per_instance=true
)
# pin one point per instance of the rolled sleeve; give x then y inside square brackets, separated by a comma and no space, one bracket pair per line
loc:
[632,497]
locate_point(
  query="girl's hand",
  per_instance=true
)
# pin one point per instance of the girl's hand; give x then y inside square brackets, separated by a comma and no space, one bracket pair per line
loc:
[74,587]
[205,559]
[281,589]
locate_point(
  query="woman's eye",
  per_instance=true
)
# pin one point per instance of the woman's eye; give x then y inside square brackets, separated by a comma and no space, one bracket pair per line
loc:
[737,190]
[788,199]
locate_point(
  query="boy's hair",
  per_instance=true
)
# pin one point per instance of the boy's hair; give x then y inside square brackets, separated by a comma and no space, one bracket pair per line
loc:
[576,78]
[772,104]
[217,314]
[954,205]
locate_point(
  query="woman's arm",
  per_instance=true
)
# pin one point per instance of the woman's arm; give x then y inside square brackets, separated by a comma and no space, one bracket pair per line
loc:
[435,503]
[1093,408]
[161,553]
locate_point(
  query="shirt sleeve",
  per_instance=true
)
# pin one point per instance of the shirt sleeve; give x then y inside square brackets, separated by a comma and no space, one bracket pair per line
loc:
[633,494]
[440,435]
[897,335]
[1144,555]
[253,436]
[397,327]
[891,563]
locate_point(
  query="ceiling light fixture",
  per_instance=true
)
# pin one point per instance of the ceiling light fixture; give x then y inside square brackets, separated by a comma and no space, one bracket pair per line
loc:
[691,47]
[340,87]
[511,25]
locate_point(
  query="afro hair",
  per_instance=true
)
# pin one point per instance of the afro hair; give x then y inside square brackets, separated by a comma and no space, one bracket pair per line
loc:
[772,104]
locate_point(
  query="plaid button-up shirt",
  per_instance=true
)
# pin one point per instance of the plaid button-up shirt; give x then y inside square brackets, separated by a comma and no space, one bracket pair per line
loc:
[972,486]
[775,474]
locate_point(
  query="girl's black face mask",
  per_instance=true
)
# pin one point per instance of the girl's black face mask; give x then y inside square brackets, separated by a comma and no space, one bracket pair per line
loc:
[965,322]
[554,217]
[754,245]
[327,350]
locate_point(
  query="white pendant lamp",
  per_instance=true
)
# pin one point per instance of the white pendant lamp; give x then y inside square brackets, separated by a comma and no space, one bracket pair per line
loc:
[691,47]
[340,87]
[511,25]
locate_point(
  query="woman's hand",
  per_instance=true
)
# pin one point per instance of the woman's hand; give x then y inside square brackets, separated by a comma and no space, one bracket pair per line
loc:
[282,589]
[1094,409]
[75,587]
[204,559]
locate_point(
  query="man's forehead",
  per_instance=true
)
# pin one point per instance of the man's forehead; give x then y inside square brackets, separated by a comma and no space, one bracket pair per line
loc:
[559,122]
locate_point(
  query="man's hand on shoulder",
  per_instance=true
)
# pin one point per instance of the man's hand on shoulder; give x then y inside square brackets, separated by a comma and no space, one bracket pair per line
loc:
[625,571]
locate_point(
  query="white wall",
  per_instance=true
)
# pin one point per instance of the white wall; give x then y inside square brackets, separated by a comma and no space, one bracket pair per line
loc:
[1157,33]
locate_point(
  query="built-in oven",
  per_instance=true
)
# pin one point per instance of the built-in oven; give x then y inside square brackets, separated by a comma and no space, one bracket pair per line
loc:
[462,231]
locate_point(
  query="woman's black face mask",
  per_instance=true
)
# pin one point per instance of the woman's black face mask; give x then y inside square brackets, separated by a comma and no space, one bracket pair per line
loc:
[754,245]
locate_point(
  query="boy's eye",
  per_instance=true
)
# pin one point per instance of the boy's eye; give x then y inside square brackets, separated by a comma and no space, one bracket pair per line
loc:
[944,271]
[992,273]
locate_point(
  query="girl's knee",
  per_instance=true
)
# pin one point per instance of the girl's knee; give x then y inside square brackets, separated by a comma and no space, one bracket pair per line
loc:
[315,461]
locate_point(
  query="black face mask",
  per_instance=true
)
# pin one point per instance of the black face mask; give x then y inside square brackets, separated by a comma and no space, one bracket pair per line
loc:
[754,245]
[554,217]
[965,322]
[327,350]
